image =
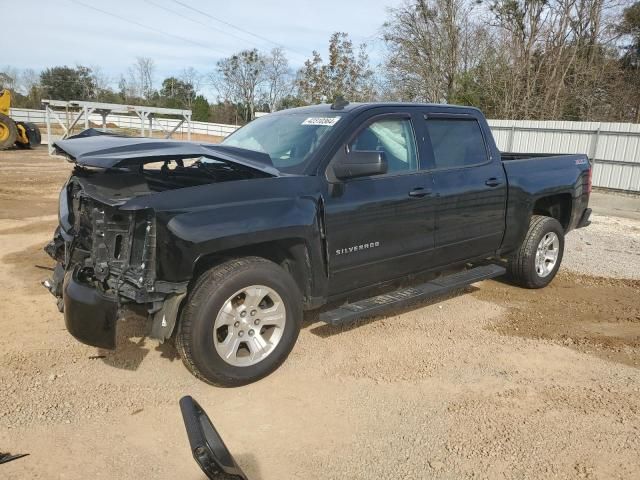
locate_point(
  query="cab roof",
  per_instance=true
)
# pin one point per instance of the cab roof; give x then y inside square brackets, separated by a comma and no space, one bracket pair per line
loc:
[327,108]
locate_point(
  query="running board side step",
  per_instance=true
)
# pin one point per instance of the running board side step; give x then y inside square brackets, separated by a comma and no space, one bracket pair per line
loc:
[377,305]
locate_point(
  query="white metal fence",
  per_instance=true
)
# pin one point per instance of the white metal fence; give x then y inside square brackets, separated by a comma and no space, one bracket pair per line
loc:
[132,122]
[614,147]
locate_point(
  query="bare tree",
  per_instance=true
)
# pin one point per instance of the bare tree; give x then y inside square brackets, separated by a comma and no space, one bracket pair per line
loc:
[190,76]
[239,78]
[101,79]
[558,55]
[427,41]
[126,88]
[629,94]
[278,78]
[141,77]
[9,78]
[515,58]
[29,79]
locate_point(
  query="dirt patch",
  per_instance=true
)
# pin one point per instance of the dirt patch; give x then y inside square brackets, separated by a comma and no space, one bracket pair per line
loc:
[30,267]
[596,315]
[195,137]
[33,227]
[30,181]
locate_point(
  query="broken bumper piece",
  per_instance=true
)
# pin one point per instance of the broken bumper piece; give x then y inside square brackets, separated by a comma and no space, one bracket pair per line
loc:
[90,316]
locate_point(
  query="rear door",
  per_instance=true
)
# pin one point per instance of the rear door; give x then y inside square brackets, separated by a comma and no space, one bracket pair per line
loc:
[381,227]
[471,188]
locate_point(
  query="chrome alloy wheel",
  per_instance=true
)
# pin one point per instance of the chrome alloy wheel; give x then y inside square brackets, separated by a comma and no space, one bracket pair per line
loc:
[249,326]
[547,254]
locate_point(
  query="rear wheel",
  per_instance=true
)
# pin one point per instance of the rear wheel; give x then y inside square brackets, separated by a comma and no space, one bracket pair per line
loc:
[8,132]
[240,322]
[538,259]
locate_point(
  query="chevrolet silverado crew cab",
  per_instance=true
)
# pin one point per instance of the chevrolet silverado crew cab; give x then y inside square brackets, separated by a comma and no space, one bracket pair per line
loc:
[356,208]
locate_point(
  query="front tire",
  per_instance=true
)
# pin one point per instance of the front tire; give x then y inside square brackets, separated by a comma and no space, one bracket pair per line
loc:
[538,259]
[240,322]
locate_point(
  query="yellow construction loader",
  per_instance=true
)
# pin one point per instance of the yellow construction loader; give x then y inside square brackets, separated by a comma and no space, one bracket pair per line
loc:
[20,134]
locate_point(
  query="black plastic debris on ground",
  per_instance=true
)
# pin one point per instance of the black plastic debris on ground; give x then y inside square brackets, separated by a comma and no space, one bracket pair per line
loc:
[7,457]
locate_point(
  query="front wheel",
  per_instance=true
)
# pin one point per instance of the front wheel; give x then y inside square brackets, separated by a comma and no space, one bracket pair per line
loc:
[240,321]
[538,259]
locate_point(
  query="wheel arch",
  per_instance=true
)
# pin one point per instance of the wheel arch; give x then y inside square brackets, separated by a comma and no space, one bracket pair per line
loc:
[292,254]
[558,206]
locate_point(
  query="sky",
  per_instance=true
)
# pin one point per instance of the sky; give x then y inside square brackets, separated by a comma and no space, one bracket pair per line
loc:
[178,34]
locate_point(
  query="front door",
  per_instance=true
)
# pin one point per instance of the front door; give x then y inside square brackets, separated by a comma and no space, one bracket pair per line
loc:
[381,227]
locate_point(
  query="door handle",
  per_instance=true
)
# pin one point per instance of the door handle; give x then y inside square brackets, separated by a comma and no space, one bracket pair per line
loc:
[493,182]
[419,192]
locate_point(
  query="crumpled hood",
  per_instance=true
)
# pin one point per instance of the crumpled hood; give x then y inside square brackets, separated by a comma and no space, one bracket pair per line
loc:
[111,151]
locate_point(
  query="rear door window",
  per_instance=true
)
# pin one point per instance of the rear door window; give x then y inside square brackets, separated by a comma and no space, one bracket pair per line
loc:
[456,142]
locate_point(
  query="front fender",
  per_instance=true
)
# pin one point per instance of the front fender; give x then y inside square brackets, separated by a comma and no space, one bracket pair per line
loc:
[189,236]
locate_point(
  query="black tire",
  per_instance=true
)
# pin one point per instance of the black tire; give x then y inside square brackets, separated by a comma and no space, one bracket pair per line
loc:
[19,143]
[8,132]
[33,135]
[194,338]
[522,266]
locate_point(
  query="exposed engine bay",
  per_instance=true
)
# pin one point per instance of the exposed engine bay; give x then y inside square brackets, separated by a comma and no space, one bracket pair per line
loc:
[114,249]
[105,248]
[182,173]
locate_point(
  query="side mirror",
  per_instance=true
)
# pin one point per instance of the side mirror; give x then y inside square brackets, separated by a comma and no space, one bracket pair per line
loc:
[208,449]
[360,164]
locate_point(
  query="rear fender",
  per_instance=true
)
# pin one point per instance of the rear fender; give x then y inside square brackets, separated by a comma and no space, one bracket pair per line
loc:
[561,206]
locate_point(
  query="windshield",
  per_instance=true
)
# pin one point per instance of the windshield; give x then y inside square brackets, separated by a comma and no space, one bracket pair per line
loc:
[290,140]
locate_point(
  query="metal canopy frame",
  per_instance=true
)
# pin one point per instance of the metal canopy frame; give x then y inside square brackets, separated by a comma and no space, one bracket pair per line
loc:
[74,111]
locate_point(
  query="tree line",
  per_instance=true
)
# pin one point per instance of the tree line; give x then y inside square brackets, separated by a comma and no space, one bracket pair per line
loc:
[517,59]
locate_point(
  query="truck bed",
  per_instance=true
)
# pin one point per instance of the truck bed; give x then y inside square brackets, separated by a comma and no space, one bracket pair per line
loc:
[531,175]
[508,156]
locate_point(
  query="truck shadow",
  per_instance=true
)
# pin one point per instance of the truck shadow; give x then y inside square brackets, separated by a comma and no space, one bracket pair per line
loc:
[249,465]
[132,345]
[325,330]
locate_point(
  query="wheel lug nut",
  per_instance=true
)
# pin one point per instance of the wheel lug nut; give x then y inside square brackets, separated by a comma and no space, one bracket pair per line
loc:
[256,321]
[241,333]
[251,333]
[237,324]
[243,313]
[253,313]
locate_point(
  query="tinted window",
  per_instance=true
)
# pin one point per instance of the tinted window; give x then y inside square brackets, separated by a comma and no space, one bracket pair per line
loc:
[456,142]
[289,139]
[394,137]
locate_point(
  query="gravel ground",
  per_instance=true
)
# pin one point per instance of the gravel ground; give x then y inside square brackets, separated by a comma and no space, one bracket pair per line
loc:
[493,382]
[609,247]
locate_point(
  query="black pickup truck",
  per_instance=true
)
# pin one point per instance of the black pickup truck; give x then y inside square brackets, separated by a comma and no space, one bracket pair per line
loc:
[357,208]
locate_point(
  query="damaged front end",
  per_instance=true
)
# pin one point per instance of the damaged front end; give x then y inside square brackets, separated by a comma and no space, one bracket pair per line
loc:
[106,242]
[105,263]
